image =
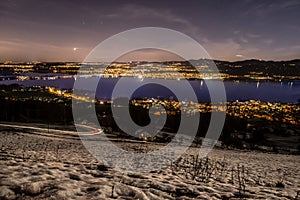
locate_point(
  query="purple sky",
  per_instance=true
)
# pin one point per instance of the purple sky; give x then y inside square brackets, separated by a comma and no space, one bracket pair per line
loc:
[61,30]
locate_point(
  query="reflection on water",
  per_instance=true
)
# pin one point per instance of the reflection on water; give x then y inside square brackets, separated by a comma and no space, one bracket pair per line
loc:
[286,91]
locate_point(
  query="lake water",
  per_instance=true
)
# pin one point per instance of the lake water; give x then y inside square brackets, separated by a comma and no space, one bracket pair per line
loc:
[286,91]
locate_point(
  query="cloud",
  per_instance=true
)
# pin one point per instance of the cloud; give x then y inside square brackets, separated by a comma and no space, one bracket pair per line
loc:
[266,8]
[244,40]
[20,50]
[285,4]
[288,49]
[268,41]
[236,32]
[134,12]
[286,53]
[230,50]
[253,35]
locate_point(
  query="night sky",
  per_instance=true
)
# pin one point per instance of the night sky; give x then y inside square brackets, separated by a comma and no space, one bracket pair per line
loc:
[61,30]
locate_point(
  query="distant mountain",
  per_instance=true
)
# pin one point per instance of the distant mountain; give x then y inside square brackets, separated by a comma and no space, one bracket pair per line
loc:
[260,67]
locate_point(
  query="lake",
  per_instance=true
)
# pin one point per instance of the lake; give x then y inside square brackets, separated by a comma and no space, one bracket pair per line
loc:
[286,91]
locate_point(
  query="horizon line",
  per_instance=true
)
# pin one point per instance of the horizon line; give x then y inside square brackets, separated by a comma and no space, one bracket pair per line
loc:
[256,59]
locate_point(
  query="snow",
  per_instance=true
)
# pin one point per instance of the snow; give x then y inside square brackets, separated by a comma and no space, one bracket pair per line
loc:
[38,167]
